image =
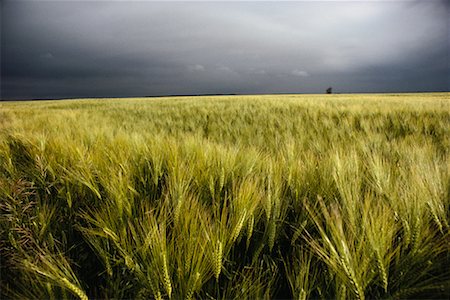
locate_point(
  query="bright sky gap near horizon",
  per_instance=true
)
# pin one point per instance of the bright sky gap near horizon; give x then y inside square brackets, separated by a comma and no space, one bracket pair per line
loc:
[64,49]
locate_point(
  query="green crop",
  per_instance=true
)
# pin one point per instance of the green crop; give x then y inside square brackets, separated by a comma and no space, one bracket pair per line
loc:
[292,196]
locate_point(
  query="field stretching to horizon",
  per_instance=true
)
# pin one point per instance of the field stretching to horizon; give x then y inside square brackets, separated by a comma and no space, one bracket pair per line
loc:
[226,197]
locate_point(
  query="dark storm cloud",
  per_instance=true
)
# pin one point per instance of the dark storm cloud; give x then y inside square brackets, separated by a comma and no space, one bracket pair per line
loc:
[85,48]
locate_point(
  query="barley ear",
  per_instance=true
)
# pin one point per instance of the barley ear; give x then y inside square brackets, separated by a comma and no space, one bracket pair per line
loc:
[351,276]
[190,293]
[250,230]
[166,277]
[238,227]
[382,270]
[218,252]
[74,289]
[272,232]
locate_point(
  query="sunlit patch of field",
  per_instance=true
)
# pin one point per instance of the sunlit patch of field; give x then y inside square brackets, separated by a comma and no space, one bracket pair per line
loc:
[272,196]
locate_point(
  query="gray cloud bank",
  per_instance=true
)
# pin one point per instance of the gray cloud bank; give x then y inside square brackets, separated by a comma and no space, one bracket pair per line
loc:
[55,49]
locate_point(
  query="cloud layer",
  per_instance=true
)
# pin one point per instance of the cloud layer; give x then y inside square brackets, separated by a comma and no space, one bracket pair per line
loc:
[100,49]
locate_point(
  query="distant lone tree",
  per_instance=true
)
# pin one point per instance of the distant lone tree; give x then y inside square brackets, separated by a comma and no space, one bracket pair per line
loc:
[329,90]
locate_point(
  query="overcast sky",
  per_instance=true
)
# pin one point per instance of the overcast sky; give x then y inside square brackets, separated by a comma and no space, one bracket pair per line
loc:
[60,49]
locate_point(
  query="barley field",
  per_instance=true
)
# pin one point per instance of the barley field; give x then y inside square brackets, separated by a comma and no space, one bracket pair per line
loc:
[226,197]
